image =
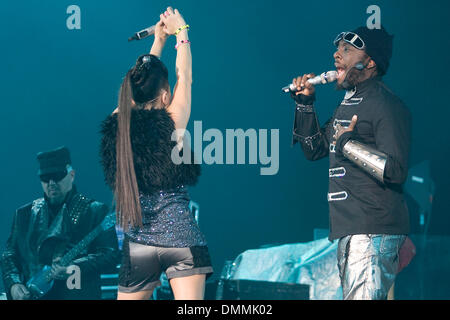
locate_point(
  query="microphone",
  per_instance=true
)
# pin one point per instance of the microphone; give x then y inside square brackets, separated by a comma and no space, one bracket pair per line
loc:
[326,77]
[143,34]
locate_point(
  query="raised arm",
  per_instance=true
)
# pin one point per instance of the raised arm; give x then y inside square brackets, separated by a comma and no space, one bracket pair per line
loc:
[180,107]
[160,40]
[307,131]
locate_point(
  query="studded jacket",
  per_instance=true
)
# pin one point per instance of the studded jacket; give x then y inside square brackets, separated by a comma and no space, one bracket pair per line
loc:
[37,239]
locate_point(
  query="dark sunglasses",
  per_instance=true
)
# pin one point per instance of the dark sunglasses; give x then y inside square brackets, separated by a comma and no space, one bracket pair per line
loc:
[352,38]
[56,177]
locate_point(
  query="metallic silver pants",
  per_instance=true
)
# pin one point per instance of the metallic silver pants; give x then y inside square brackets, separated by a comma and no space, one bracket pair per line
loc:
[368,265]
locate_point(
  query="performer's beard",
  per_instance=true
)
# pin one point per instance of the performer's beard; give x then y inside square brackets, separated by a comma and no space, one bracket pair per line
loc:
[56,200]
[352,78]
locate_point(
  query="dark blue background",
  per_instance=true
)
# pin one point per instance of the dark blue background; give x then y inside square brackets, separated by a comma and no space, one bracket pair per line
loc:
[58,84]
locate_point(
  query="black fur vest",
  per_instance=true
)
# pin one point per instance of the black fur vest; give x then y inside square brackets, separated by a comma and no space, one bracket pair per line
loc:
[150,132]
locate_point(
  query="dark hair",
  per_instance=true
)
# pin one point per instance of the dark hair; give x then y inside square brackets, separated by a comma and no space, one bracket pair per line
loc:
[142,83]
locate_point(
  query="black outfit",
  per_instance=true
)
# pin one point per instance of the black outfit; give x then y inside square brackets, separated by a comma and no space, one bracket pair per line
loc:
[170,239]
[358,203]
[41,233]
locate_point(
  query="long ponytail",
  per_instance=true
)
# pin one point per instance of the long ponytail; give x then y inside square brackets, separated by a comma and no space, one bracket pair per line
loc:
[142,84]
[128,206]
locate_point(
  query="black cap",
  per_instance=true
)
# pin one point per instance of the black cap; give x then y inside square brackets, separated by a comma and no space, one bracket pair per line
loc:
[378,46]
[53,161]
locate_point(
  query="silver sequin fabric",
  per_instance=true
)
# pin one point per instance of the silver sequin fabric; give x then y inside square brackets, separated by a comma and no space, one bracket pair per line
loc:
[167,221]
[368,265]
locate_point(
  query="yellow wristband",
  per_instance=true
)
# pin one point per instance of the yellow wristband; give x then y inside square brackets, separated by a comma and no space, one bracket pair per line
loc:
[181,29]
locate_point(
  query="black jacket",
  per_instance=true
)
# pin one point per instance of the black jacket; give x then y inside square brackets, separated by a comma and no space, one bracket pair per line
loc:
[37,239]
[358,203]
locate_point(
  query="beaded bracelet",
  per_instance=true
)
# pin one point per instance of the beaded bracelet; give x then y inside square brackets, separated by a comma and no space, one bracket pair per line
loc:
[181,29]
[182,42]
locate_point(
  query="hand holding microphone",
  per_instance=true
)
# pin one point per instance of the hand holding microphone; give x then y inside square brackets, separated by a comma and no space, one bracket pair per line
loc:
[157,30]
[302,85]
[302,88]
[173,21]
[305,84]
[170,21]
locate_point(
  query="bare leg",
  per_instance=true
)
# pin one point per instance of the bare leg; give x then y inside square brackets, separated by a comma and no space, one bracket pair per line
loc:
[189,288]
[141,295]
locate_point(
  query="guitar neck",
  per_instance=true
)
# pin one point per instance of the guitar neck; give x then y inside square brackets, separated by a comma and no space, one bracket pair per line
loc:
[83,244]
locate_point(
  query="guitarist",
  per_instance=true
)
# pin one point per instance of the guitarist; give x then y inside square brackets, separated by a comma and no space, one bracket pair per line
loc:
[45,229]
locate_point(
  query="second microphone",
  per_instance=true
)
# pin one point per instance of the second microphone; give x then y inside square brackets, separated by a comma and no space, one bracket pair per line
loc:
[324,78]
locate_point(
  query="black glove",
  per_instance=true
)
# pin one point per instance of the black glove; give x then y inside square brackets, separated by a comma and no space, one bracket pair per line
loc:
[302,99]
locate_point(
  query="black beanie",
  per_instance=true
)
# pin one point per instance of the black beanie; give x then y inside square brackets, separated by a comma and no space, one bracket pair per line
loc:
[378,46]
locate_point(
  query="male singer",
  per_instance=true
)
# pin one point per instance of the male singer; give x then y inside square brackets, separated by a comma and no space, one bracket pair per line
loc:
[368,142]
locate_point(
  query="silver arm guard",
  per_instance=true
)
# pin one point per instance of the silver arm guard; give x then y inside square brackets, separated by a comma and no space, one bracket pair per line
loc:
[367,158]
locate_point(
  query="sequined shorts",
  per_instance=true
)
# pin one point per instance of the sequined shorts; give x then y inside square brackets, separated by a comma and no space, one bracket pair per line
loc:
[142,265]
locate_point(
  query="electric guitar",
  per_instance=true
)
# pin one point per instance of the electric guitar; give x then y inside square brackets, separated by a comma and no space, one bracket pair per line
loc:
[42,282]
